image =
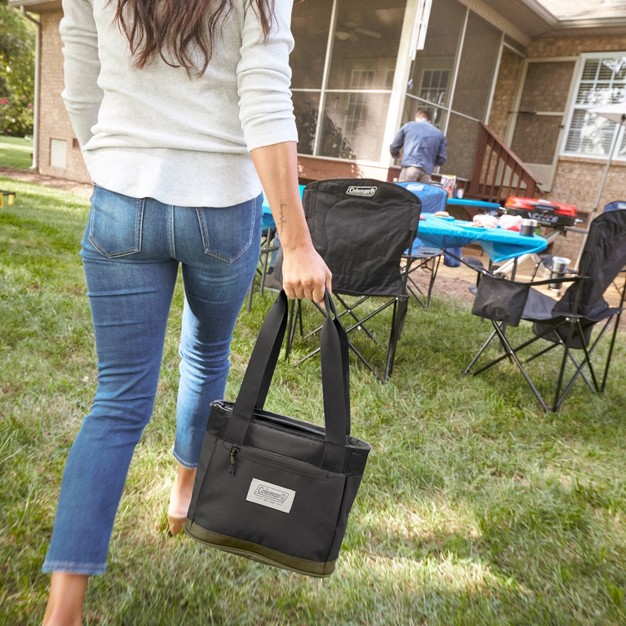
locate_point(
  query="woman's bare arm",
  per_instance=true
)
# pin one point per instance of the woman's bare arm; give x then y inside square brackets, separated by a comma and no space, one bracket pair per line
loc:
[305,275]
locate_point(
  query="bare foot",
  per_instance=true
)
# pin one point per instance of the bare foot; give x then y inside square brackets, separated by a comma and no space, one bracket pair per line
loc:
[180,498]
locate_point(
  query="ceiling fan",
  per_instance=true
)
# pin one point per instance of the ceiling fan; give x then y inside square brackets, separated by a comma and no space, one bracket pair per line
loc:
[351,31]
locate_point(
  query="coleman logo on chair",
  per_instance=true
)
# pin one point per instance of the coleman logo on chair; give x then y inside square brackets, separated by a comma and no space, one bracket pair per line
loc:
[272,496]
[363,192]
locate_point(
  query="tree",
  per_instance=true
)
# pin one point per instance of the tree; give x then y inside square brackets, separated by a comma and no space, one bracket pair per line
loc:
[17,62]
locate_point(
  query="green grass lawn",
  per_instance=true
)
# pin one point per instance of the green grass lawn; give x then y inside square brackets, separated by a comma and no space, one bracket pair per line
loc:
[16,152]
[476,507]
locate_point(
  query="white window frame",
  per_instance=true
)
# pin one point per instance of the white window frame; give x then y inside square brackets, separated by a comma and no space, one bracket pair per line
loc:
[356,109]
[573,107]
[442,94]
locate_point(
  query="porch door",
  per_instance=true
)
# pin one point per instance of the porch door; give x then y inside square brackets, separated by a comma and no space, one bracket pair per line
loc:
[539,119]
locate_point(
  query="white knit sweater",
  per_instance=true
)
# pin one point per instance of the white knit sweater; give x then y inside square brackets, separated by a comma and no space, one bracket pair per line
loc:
[156,132]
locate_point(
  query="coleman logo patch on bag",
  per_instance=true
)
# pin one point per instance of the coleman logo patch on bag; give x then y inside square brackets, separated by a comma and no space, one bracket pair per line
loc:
[363,192]
[272,496]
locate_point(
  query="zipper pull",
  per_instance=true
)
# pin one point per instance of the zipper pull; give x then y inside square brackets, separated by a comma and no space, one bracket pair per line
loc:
[233,455]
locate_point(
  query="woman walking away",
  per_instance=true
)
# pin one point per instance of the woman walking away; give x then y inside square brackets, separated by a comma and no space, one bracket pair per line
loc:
[183,112]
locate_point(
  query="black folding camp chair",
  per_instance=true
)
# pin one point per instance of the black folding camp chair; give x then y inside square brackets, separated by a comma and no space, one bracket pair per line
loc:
[575,323]
[361,228]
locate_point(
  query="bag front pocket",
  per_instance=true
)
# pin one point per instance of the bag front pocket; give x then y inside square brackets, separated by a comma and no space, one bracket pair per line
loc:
[283,504]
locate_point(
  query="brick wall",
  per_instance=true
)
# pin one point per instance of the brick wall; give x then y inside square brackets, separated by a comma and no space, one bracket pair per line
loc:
[504,94]
[54,123]
[577,180]
[575,45]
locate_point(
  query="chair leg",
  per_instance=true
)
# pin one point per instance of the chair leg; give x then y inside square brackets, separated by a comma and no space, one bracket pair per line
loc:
[358,354]
[250,294]
[433,276]
[507,348]
[479,354]
[521,367]
[431,264]
[610,354]
[615,328]
[571,357]
[264,260]
[349,310]
[558,396]
[593,386]
[509,352]
[562,389]
[397,322]
[557,402]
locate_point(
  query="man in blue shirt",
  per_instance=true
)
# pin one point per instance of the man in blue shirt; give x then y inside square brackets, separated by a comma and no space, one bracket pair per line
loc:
[422,145]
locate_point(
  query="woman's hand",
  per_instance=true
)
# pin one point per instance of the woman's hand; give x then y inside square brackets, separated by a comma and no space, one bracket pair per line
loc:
[305,275]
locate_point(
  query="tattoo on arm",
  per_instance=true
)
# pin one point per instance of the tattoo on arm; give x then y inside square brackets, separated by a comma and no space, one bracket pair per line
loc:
[281,217]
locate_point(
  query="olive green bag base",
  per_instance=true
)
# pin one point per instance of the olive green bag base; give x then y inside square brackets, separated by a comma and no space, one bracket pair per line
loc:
[273,488]
[264,555]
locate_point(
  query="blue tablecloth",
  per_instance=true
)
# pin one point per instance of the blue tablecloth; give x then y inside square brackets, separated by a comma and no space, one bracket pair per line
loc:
[433,199]
[466,202]
[500,245]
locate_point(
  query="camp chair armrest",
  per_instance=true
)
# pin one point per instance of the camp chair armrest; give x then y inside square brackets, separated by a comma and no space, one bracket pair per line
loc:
[478,267]
[559,281]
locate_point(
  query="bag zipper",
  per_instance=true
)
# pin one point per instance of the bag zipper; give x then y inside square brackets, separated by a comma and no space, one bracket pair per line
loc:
[233,458]
[273,459]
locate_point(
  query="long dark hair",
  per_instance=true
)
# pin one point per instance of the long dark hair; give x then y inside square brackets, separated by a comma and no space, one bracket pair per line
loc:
[176,32]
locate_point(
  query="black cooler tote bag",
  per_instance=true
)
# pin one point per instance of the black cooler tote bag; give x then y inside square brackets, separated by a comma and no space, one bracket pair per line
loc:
[273,488]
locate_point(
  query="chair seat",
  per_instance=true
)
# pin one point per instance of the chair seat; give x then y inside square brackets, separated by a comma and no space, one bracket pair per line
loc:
[424,252]
[539,306]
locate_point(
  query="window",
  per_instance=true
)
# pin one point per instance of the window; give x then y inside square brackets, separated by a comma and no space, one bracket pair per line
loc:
[602,80]
[356,116]
[435,86]
[430,82]
[341,100]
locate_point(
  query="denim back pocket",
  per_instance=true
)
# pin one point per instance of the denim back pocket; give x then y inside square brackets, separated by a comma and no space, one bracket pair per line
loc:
[115,223]
[228,232]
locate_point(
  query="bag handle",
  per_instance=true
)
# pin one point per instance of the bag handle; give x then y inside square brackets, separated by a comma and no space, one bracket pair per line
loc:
[335,380]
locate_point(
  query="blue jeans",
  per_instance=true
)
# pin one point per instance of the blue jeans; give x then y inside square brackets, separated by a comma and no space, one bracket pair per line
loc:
[131,253]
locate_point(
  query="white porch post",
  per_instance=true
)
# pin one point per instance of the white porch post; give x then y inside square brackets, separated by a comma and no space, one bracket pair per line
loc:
[400,80]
